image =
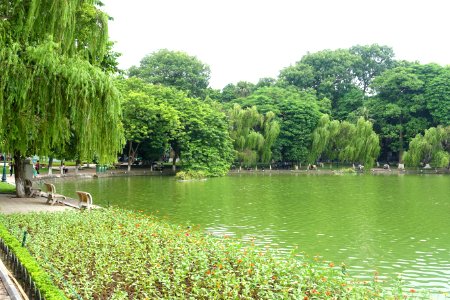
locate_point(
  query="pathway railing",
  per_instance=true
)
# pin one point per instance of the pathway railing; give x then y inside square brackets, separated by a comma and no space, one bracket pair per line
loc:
[20,272]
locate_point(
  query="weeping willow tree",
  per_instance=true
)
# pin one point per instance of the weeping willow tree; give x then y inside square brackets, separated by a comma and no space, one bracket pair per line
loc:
[52,83]
[323,137]
[345,141]
[363,144]
[431,148]
[253,134]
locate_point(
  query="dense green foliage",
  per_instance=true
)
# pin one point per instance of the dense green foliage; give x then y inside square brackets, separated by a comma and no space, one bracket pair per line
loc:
[297,112]
[336,73]
[53,84]
[398,108]
[345,142]
[41,278]
[401,99]
[175,69]
[147,120]
[137,257]
[160,118]
[253,134]
[437,93]
[431,148]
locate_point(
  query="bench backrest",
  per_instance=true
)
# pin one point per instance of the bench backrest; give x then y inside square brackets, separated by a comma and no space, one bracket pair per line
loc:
[85,197]
[50,188]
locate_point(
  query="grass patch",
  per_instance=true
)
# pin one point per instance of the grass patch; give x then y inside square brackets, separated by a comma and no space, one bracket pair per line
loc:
[6,188]
[117,254]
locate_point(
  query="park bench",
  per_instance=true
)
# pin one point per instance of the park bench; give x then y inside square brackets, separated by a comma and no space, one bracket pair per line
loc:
[52,196]
[30,190]
[85,199]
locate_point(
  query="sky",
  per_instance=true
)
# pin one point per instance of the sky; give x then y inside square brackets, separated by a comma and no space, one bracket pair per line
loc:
[252,39]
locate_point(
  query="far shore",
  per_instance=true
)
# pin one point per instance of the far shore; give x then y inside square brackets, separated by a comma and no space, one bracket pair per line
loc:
[143,171]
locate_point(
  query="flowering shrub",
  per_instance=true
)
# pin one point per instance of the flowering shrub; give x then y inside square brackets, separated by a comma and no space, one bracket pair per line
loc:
[117,254]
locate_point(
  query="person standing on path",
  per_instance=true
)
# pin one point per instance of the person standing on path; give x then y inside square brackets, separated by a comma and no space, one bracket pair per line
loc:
[37,166]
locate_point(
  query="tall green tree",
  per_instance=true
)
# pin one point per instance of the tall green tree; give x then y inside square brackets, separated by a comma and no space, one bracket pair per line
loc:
[176,69]
[297,113]
[437,95]
[328,72]
[52,83]
[146,119]
[195,130]
[203,143]
[433,147]
[343,75]
[253,134]
[399,108]
[345,142]
[373,60]
[231,92]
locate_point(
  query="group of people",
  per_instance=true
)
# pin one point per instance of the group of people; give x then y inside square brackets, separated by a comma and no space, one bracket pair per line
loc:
[36,168]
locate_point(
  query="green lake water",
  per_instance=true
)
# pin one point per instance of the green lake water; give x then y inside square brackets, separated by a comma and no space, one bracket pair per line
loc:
[386,224]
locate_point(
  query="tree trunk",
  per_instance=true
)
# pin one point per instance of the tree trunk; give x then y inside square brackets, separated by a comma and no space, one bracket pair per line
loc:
[130,151]
[174,162]
[50,165]
[131,154]
[19,175]
[77,166]
[400,150]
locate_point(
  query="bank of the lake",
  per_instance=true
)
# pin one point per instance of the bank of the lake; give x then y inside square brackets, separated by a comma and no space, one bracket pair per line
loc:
[375,224]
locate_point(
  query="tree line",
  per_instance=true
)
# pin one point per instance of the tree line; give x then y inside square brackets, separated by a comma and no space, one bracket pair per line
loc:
[62,95]
[355,105]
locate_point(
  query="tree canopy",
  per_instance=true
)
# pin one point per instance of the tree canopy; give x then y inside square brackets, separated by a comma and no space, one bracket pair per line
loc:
[147,120]
[345,142]
[253,134]
[52,84]
[297,113]
[161,117]
[176,69]
[433,147]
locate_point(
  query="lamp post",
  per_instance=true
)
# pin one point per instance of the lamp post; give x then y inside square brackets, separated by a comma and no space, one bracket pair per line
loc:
[4,168]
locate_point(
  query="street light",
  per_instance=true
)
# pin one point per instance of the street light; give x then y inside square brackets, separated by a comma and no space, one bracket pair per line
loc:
[4,168]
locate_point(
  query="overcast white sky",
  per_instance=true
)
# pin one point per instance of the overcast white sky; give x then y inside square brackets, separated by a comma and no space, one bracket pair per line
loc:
[251,39]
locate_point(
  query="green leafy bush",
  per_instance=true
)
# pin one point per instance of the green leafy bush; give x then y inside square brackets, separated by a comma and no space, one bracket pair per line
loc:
[116,254]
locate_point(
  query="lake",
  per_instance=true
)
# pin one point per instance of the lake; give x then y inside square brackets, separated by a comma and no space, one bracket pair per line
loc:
[373,223]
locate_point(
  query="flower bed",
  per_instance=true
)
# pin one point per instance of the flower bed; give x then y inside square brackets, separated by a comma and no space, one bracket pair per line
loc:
[117,254]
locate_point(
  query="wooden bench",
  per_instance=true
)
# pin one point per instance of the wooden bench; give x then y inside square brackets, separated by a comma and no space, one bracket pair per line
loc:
[52,196]
[85,199]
